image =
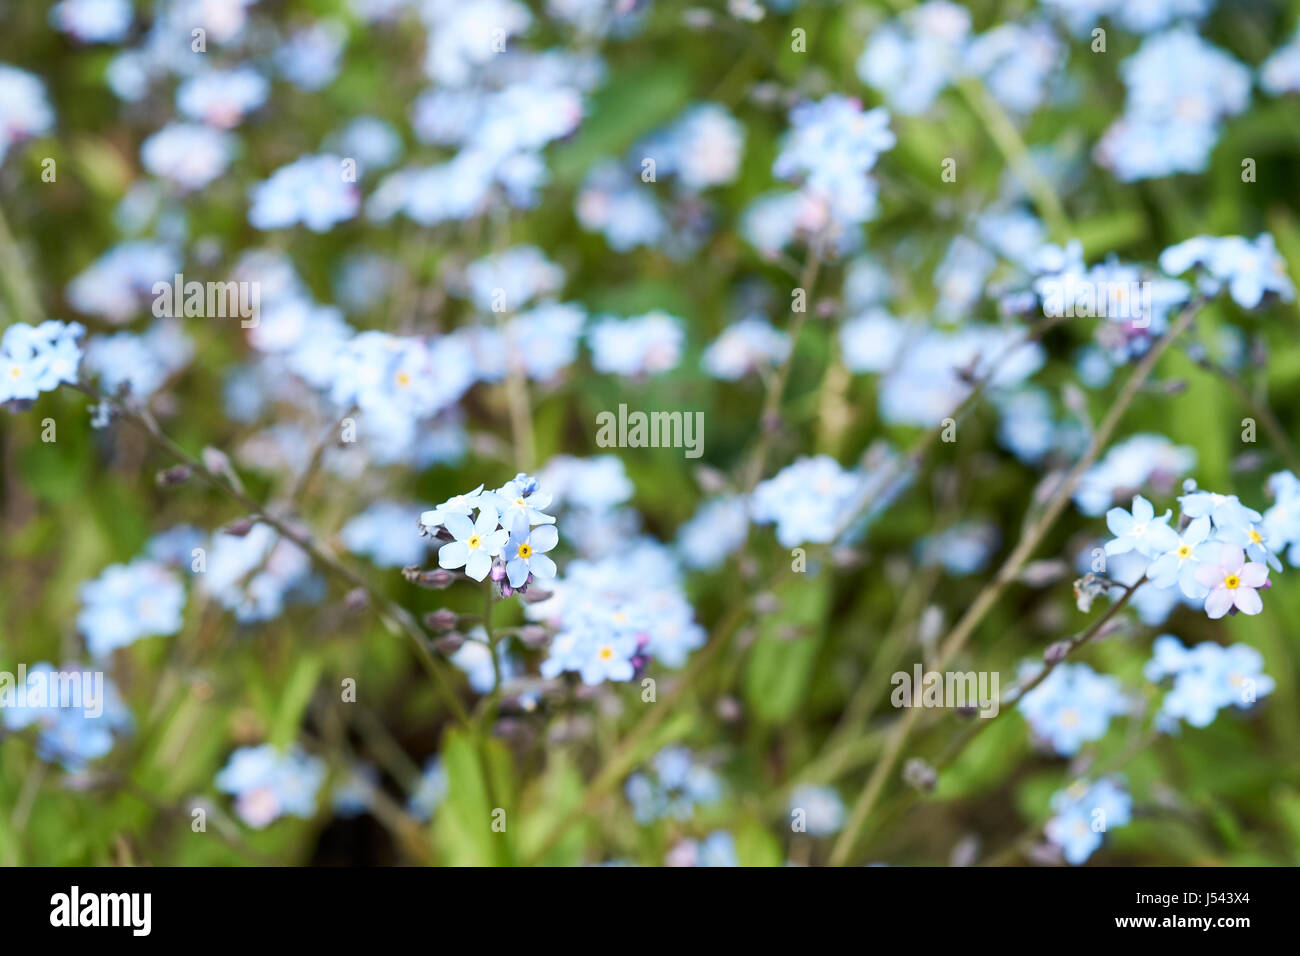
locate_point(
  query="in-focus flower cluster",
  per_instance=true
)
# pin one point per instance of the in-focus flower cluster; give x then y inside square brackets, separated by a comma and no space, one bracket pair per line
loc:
[509,538]
[1217,557]
[38,359]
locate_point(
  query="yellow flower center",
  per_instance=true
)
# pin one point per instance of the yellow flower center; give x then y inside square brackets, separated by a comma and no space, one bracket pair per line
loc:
[606,653]
[15,372]
[525,551]
[474,541]
[1069,717]
[1255,536]
[1184,551]
[403,378]
[1231,581]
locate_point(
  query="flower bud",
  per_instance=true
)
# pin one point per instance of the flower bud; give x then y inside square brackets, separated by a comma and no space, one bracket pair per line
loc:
[450,643]
[239,527]
[443,619]
[170,477]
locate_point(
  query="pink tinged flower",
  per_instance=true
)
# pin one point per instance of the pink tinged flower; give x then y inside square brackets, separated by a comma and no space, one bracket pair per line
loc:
[258,807]
[1232,582]
[476,544]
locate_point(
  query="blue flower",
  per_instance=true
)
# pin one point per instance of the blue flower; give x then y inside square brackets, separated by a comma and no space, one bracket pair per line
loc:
[312,190]
[1072,706]
[1206,678]
[717,529]
[189,154]
[1178,564]
[71,733]
[672,788]
[309,59]
[430,791]
[644,345]
[385,533]
[717,849]
[476,543]
[1140,530]
[1083,813]
[525,553]
[35,359]
[521,497]
[807,500]
[1250,270]
[24,110]
[93,21]
[475,659]
[268,783]
[913,57]
[128,602]
[823,810]
[462,505]
[746,346]
[222,97]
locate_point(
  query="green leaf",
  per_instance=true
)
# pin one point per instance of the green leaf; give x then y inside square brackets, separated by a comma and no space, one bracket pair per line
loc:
[294,698]
[476,800]
[780,665]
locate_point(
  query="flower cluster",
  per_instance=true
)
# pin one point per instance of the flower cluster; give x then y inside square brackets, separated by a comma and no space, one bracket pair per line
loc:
[1217,557]
[815,500]
[1083,813]
[128,602]
[612,614]
[717,849]
[671,788]
[38,359]
[1206,678]
[72,736]
[1072,706]
[830,150]
[268,783]
[508,538]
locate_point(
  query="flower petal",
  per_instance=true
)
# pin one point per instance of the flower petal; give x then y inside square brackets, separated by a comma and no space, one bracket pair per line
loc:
[1209,574]
[478,565]
[1164,570]
[453,554]
[487,520]
[460,526]
[1254,575]
[1218,602]
[1232,557]
[517,572]
[1197,532]
[1248,601]
[1161,538]
[543,567]
[544,538]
